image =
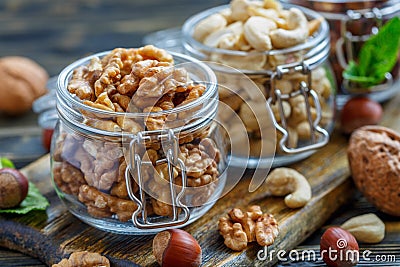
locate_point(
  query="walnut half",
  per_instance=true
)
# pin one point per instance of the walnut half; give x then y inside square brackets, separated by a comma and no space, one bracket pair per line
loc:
[239,228]
[84,258]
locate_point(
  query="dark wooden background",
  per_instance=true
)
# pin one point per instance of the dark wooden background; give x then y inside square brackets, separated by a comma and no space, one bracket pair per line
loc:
[54,33]
[57,32]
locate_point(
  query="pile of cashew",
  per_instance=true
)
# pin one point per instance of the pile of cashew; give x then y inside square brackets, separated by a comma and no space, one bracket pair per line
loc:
[255,25]
[248,101]
[263,26]
[291,184]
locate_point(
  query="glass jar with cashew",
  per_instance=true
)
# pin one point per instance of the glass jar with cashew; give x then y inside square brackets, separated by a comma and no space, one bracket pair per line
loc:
[351,23]
[137,149]
[283,50]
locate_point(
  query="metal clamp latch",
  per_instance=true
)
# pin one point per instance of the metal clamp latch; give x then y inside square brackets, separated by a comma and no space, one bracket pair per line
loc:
[137,148]
[319,136]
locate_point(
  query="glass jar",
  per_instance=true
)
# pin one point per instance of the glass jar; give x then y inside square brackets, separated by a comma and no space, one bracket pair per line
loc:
[116,173]
[351,23]
[293,86]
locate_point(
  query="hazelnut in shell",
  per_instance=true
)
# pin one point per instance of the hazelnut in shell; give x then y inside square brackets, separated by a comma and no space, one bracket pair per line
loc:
[176,248]
[358,112]
[13,188]
[339,248]
[22,81]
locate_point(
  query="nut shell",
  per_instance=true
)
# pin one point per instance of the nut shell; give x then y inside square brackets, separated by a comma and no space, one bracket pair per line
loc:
[13,188]
[337,247]
[21,81]
[373,155]
[358,112]
[176,248]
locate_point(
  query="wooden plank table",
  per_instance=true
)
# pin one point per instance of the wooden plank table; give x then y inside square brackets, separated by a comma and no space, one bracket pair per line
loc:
[56,33]
[334,200]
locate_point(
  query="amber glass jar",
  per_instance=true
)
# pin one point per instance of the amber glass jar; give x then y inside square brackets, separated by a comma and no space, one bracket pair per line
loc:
[137,171]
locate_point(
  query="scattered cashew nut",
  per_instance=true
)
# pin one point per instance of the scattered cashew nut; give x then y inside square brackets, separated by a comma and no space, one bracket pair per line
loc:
[296,34]
[366,228]
[290,183]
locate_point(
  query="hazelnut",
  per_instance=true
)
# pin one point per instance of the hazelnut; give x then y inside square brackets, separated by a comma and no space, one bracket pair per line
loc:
[21,81]
[359,111]
[13,188]
[176,248]
[339,248]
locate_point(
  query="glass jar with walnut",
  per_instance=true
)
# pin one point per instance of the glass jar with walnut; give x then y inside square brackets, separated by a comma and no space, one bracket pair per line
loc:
[136,149]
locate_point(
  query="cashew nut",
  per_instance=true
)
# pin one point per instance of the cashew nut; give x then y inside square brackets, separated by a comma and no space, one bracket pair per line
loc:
[256,32]
[290,183]
[239,8]
[297,30]
[285,86]
[228,35]
[209,25]
[227,14]
[292,141]
[287,110]
[366,228]
[272,4]
[313,25]
[299,112]
[279,59]
[253,113]
[304,130]
[263,12]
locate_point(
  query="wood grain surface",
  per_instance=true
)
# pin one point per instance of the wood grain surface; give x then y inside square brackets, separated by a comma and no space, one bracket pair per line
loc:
[55,233]
[52,235]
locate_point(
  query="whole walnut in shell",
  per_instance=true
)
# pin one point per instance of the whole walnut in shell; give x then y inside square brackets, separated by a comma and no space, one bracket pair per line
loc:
[374,160]
[21,81]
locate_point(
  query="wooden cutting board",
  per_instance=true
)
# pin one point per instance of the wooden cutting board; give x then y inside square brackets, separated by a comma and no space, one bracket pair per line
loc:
[53,234]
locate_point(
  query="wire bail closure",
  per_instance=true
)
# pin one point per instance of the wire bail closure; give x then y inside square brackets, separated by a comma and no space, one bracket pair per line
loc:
[137,149]
[319,136]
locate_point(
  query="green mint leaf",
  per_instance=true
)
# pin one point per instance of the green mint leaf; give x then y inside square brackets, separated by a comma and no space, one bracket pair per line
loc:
[379,54]
[351,70]
[33,201]
[6,163]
